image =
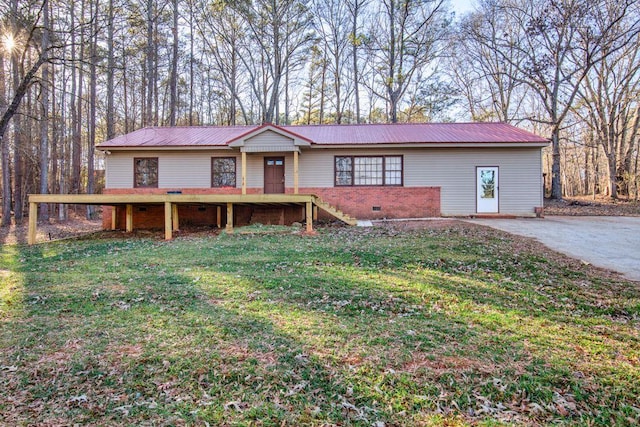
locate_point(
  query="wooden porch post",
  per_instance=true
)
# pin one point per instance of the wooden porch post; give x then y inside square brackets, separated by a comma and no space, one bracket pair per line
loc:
[218,216]
[114,217]
[229,217]
[129,222]
[309,217]
[168,208]
[174,215]
[33,222]
[295,172]
[244,172]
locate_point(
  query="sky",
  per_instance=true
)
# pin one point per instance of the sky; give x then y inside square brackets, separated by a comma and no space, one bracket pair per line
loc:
[461,6]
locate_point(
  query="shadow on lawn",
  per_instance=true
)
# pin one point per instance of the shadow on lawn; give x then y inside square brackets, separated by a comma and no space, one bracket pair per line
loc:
[293,331]
[159,347]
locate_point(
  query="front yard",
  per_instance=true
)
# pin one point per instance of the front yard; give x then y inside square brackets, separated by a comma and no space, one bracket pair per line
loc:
[444,323]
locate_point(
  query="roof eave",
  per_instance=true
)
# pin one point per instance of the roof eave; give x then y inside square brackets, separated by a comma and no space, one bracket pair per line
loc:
[438,145]
[161,147]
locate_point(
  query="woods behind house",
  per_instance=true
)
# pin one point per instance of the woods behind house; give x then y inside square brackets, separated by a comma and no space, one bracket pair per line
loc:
[74,73]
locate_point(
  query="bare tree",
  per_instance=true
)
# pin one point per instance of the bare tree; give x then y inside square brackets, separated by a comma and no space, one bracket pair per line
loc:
[31,30]
[405,39]
[560,45]
[609,107]
[356,9]
[485,65]
[110,112]
[280,29]
[173,79]
[226,29]
[333,25]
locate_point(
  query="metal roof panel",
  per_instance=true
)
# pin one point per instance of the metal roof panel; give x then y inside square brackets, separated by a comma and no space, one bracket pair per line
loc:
[357,135]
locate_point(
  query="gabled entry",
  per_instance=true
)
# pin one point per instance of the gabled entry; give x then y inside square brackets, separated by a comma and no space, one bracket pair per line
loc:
[273,175]
[487,189]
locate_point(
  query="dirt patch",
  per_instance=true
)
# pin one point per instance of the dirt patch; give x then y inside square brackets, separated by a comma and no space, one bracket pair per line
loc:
[588,206]
[50,230]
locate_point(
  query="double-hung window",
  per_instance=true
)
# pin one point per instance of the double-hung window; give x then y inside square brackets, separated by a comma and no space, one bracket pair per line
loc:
[368,170]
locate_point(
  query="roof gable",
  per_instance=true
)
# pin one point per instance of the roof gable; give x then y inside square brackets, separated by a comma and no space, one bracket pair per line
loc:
[269,134]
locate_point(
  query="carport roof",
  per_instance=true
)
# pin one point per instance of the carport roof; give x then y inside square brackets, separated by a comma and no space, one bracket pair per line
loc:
[332,135]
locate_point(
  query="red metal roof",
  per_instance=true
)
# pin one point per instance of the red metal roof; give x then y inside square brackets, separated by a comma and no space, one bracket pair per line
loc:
[365,134]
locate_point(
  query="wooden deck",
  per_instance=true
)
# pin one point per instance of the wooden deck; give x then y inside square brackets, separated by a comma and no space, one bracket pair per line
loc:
[171,202]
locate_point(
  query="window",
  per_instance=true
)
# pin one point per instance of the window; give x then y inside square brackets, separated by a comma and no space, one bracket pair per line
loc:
[145,172]
[223,172]
[344,171]
[368,170]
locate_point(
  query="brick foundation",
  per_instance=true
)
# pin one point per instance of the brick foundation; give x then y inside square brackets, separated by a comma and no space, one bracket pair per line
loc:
[393,202]
[358,202]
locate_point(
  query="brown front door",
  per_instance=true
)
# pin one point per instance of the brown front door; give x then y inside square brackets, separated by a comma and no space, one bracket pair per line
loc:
[273,175]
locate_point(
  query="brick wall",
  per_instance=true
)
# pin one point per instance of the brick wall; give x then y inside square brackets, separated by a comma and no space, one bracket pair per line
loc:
[393,202]
[359,202]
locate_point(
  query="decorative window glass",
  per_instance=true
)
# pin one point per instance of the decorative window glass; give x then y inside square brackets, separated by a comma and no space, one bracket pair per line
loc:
[368,170]
[488,182]
[145,172]
[223,172]
[344,171]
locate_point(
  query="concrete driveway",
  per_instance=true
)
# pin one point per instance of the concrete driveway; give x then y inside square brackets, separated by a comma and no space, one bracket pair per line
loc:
[609,242]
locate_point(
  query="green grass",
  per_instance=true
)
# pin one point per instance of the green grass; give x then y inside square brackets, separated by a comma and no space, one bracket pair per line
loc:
[454,325]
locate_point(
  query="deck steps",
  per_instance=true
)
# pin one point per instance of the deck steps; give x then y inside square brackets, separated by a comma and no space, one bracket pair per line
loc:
[347,219]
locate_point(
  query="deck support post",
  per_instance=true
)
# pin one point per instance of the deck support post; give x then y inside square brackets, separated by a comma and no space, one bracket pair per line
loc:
[168,208]
[309,215]
[114,217]
[229,228]
[174,216]
[129,226]
[315,213]
[33,223]
[218,216]
[295,172]
[244,172]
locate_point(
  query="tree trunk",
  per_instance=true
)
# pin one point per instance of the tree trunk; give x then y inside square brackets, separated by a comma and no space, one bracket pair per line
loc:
[173,94]
[18,140]
[356,78]
[91,143]
[556,179]
[148,114]
[18,168]
[77,108]
[191,55]
[110,114]
[44,119]
[4,158]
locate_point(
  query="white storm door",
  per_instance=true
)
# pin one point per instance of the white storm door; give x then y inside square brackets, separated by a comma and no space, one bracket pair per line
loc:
[487,189]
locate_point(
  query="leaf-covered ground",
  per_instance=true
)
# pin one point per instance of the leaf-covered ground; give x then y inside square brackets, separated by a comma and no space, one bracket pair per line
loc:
[451,324]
